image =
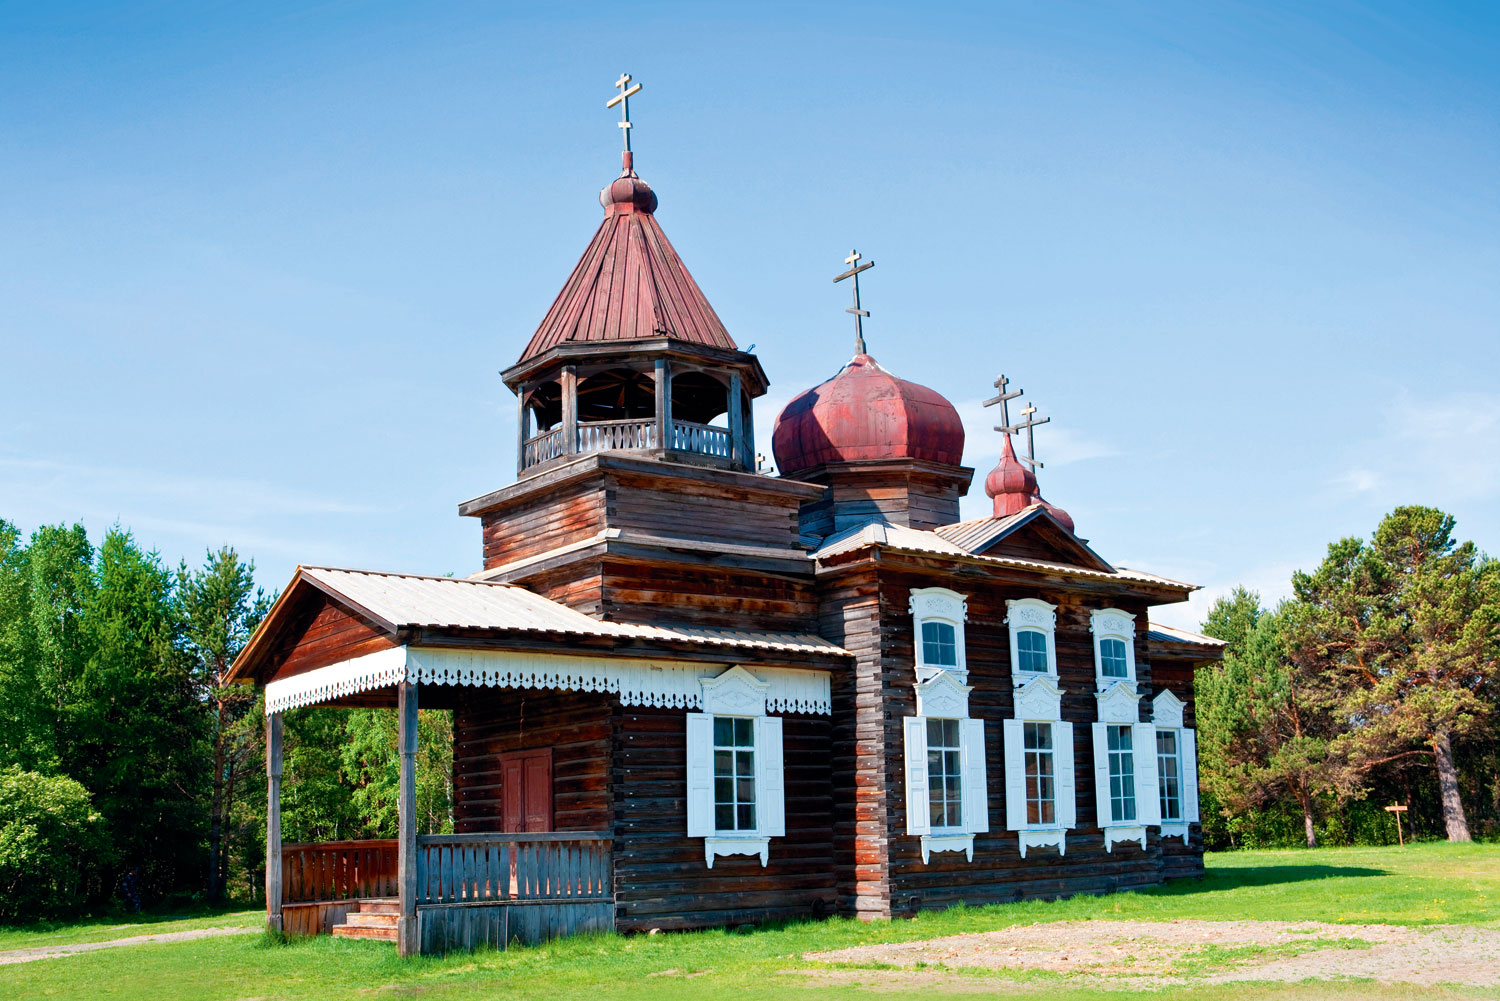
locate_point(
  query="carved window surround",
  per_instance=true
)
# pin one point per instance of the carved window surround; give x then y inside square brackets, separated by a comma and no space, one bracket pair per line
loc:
[938,604]
[1035,615]
[1113,624]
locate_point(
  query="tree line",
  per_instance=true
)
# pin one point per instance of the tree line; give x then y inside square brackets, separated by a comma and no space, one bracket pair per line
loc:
[1377,683]
[129,768]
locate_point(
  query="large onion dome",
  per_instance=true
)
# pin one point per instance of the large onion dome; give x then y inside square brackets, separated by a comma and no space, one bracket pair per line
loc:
[866,413]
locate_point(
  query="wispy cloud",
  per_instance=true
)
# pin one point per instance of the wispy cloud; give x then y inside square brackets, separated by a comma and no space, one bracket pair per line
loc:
[1057,444]
[1448,446]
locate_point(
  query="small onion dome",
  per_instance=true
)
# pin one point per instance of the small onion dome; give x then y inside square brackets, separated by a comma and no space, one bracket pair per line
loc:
[864,413]
[1013,487]
[628,193]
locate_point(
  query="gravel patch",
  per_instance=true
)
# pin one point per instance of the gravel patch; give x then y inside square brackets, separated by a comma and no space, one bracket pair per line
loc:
[54,951]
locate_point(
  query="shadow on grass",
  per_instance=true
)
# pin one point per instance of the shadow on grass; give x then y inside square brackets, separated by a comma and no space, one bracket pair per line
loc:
[1230,877]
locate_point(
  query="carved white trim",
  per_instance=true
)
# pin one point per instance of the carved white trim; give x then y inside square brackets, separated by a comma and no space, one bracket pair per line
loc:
[1112,623]
[1118,704]
[349,677]
[1039,699]
[736,846]
[947,843]
[943,696]
[1114,835]
[1031,614]
[1166,710]
[1174,829]
[1037,838]
[736,692]
[938,604]
[636,682]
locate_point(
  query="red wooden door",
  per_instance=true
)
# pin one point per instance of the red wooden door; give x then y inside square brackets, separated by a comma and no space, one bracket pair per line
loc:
[526,791]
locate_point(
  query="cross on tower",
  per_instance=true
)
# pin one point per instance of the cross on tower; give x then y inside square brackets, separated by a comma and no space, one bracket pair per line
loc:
[1004,400]
[859,314]
[626,92]
[1030,423]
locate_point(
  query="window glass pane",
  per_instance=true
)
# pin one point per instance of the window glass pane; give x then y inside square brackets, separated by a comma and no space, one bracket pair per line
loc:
[1041,796]
[734,773]
[1168,764]
[1112,660]
[1032,647]
[944,799]
[1121,774]
[939,644]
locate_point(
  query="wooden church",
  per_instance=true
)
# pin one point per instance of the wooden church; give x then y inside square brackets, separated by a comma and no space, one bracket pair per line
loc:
[689,693]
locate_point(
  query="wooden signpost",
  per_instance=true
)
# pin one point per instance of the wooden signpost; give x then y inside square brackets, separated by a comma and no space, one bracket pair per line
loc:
[1398,810]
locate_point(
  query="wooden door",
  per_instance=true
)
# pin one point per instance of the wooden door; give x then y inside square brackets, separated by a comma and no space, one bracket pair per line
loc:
[526,792]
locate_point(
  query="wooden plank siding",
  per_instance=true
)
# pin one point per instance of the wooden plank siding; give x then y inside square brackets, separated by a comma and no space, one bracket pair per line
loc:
[543,522]
[661,879]
[576,726]
[707,595]
[325,634]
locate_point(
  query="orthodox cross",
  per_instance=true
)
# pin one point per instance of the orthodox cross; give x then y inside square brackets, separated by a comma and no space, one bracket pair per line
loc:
[626,92]
[859,314]
[1030,423]
[1004,400]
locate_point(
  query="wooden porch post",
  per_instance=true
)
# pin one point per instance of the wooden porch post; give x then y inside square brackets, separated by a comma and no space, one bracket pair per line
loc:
[273,821]
[570,409]
[520,432]
[736,423]
[407,941]
[663,404]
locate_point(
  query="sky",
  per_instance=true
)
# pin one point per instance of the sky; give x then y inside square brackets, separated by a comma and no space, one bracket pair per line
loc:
[260,264]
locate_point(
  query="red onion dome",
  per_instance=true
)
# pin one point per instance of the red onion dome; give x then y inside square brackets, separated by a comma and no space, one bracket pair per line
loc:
[865,412]
[628,193]
[1013,487]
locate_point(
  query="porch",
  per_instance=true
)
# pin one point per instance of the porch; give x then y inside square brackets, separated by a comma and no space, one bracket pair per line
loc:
[471,889]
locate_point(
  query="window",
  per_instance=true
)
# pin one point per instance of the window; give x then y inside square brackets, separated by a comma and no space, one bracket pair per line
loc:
[1033,649]
[1114,646]
[944,775]
[734,773]
[1041,782]
[939,644]
[1032,646]
[938,614]
[736,799]
[947,795]
[1169,776]
[1112,659]
[1121,775]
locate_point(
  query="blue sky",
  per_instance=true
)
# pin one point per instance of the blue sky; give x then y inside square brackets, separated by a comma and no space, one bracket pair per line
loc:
[261,263]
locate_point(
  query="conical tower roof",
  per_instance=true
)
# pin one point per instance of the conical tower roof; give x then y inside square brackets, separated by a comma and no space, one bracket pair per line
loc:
[630,284]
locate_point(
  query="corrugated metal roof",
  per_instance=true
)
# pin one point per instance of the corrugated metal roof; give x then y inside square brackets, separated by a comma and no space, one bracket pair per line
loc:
[412,601]
[1171,634]
[920,541]
[976,534]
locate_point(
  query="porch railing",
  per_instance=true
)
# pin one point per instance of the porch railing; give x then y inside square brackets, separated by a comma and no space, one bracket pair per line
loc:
[600,436]
[705,439]
[500,868]
[597,436]
[338,870]
[544,447]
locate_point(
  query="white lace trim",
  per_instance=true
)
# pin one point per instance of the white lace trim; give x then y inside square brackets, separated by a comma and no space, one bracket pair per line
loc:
[636,682]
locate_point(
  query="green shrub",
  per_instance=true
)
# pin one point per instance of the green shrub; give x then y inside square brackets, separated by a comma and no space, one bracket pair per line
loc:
[50,845]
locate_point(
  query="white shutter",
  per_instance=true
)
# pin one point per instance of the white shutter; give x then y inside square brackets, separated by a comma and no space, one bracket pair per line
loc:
[1187,764]
[700,775]
[918,817]
[976,793]
[1015,774]
[770,783]
[1101,774]
[1147,781]
[1062,764]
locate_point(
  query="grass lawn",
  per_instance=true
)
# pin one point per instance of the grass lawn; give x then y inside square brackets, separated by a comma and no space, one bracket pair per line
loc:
[1418,885]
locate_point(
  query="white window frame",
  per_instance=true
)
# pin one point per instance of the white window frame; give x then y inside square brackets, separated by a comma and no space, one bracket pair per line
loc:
[735,693]
[945,696]
[1031,614]
[1112,624]
[1040,701]
[938,604]
[1167,711]
[1120,705]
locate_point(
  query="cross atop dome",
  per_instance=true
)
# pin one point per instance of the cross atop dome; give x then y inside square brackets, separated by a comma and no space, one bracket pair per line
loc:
[626,92]
[859,314]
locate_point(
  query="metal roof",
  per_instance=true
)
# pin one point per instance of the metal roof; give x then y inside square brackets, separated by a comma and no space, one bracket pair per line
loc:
[1171,634]
[919,541]
[978,533]
[405,601]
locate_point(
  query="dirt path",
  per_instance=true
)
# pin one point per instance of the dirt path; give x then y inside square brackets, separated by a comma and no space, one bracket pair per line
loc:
[1151,953]
[53,951]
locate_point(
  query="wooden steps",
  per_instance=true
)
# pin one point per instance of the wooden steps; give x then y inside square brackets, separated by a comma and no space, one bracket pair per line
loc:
[371,919]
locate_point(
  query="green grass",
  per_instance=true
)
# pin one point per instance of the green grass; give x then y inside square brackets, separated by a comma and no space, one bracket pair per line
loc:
[1423,884]
[102,929]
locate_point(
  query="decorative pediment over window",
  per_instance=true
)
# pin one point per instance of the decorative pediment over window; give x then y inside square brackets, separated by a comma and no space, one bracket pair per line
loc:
[938,617]
[1039,699]
[1118,704]
[1114,646]
[1166,709]
[736,692]
[1033,643]
[943,696]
